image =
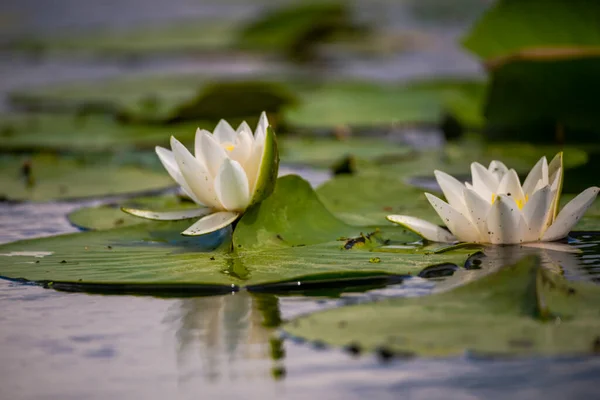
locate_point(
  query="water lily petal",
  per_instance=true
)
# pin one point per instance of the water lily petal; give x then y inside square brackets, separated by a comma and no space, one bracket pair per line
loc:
[211,223]
[167,159]
[498,169]
[484,183]
[231,185]
[261,128]
[537,173]
[511,186]
[196,175]
[536,212]
[168,215]
[224,133]
[570,214]
[244,127]
[243,147]
[505,221]
[453,190]
[425,229]
[211,152]
[457,223]
[477,211]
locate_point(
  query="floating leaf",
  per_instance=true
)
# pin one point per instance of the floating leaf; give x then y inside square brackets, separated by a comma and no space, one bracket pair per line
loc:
[288,237]
[324,151]
[535,27]
[48,177]
[521,309]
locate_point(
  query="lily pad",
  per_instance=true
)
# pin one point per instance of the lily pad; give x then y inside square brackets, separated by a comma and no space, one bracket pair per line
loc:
[325,151]
[196,36]
[522,309]
[535,26]
[44,132]
[290,236]
[48,177]
[522,104]
[367,199]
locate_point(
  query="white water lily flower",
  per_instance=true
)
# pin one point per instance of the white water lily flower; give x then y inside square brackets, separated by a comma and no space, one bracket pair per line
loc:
[231,170]
[495,208]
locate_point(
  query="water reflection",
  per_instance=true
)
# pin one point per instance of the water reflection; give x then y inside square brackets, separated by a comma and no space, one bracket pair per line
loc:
[577,259]
[214,335]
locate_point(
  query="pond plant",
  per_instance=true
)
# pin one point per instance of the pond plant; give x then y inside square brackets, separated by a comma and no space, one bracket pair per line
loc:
[495,208]
[231,171]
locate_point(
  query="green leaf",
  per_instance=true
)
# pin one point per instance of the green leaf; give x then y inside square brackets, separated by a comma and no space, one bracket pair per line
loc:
[45,132]
[268,168]
[47,177]
[511,26]
[521,309]
[523,105]
[288,237]
[367,199]
[325,151]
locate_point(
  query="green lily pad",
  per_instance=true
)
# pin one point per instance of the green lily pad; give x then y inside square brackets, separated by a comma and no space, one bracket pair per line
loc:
[183,37]
[520,310]
[521,103]
[325,151]
[289,236]
[511,26]
[367,199]
[47,177]
[296,30]
[39,132]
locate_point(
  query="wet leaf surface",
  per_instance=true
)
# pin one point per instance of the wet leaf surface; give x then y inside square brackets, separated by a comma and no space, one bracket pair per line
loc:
[522,309]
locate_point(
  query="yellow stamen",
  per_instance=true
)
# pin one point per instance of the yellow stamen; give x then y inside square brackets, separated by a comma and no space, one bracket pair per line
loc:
[230,147]
[494,197]
[521,203]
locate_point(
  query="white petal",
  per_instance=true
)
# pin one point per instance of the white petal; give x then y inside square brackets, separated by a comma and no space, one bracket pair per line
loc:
[211,223]
[505,222]
[570,215]
[211,153]
[510,185]
[196,175]
[477,211]
[498,169]
[198,143]
[484,183]
[261,128]
[423,228]
[536,213]
[457,223]
[243,147]
[167,159]
[537,173]
[224,132]
[244,127]
[168,215]
[453,190]
[231,185]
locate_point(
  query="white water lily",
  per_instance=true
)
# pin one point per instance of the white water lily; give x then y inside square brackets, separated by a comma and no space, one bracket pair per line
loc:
[231,170]
[495,208]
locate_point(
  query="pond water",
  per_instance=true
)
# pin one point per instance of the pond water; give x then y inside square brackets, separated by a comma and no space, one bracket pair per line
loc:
[56,345]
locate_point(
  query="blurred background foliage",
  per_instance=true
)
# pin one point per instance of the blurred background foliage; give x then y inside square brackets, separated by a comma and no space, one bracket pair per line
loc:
[357,87]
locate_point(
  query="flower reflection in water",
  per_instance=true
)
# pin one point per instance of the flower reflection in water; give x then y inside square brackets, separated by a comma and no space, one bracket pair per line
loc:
[229,335]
